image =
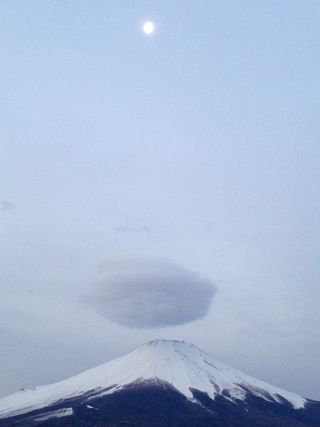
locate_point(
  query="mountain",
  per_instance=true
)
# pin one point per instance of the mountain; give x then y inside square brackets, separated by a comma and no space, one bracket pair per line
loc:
[162,383]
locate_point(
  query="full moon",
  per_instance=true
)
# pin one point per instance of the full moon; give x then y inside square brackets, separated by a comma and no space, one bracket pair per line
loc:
[148,27]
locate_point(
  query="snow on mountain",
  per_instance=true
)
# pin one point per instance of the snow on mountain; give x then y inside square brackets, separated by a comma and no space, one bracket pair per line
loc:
[177,363]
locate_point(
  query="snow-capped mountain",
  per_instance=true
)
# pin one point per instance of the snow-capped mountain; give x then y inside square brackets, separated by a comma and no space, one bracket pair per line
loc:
[176,370]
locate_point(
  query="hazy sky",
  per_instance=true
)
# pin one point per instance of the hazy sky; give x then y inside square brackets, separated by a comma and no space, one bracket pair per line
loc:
[196,148]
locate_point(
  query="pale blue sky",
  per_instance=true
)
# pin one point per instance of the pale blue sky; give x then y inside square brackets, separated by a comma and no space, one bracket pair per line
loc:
[199,144]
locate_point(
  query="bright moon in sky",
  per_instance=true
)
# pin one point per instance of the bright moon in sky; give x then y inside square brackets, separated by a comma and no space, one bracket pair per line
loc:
[148,27]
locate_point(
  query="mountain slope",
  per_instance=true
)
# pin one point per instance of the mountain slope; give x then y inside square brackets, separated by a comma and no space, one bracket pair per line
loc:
[153,373]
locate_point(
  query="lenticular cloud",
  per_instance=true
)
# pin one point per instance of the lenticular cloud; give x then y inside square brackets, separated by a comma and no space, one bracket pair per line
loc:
[150,293]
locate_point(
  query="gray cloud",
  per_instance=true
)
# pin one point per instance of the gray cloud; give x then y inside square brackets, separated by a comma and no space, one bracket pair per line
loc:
[6,206]
[150,293]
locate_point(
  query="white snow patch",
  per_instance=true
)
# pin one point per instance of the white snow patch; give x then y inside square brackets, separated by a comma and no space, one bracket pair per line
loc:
[59,413]
[91,407]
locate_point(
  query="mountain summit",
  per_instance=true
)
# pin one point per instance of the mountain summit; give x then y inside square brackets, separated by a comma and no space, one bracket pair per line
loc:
[160,381]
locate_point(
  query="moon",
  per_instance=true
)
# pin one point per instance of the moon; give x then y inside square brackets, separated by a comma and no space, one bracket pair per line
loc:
[148,28]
